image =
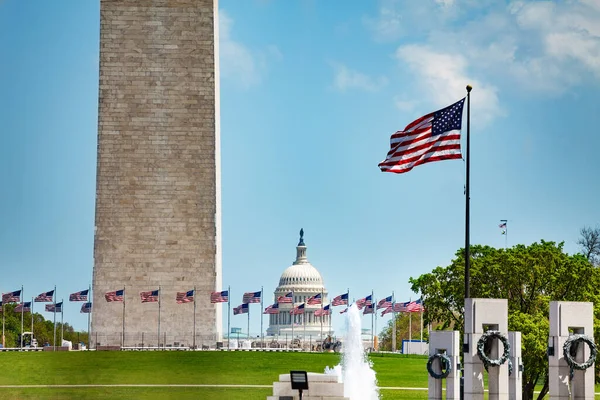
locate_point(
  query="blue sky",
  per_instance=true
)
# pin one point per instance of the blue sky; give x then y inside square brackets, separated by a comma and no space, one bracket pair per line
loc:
[310,93]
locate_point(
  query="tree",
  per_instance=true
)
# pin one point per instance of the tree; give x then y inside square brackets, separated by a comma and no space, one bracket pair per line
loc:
[529,277]
[402,328]
[590,244]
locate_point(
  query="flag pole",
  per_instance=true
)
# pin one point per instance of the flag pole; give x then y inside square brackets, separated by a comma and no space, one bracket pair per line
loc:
[22,307]
[262,337]
[248,335]
[62,325]
[372,319]
[3,344]
[90,311]
[159,296]
[31,312]
[54,338]
[293,315]
[123,322]
[394,324]
[467,195]
[228,313]
[322,303]
[422,320]
[194,338]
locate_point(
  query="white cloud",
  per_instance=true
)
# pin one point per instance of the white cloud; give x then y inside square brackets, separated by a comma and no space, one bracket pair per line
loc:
[346,78]
[238,62]
[443,77]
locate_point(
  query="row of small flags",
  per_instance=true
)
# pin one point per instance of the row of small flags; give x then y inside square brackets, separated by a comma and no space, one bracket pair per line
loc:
[366,302]
[46,297]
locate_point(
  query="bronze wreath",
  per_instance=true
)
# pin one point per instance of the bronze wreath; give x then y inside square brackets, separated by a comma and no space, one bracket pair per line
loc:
[440,356]
[569,359]
[481,353]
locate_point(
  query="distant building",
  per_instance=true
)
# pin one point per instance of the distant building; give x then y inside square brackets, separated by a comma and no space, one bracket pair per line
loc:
[304,281]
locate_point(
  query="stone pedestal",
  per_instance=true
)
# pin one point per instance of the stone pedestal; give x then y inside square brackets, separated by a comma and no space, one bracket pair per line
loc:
[447,342]
[566,318]
[320,387]
[482,315]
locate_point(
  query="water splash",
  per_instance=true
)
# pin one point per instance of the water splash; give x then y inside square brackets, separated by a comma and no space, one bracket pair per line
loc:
[355,370]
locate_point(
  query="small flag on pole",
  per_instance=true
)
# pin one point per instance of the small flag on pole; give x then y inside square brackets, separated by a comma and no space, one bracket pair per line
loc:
[79,296]
[12,297]
[272,309]
[369,309]
[46,297]
[149,296]
[219,297]
[251,297]
[115,296]
[313,300]
[340,300]
[433,137]
[297,310]
[344,310]
[387,311]
[287,299]
[23,307]
[385,303]
[186,297]
[365,301]
[401,307]
[54,307]
[324,311]
[86,308]
[415,306]
[241,309]
[502,226]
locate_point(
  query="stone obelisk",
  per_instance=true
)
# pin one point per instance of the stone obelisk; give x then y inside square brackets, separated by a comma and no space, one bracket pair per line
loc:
[158,215]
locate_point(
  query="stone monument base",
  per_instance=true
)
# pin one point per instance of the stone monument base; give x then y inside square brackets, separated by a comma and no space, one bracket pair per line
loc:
[320,387]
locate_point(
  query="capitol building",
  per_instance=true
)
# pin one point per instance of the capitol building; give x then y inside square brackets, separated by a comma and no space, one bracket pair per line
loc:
[300,281]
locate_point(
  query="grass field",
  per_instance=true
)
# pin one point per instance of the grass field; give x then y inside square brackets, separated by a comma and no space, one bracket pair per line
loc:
[185,368]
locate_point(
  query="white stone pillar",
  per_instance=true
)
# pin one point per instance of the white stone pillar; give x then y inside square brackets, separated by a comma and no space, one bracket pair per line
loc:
[447,342]
[515,380]
[567,317]
[482,315]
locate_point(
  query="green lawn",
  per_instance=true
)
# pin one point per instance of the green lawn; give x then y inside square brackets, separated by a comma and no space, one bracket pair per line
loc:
[155,368]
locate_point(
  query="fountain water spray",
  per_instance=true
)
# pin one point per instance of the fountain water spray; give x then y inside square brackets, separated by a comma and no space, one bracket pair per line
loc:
[355,370]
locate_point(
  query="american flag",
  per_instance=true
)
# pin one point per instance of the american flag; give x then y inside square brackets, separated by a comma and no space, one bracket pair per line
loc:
[47,297]
[365,301]
[272,309]
[150,296]
[345,310]
[54,307]
[79,296]
[340,300]
[297,310]
[313,300]
[219,297]
[23,307]
[415,306]
[433,137]
[185,297]
[12,297]
[324,311]
[369,309]
[387,311]
[385,303]
[115,296]
[502,224]
[86,308]
[288,298]
[251,297]
[241,309]
[401,307]
[1,307]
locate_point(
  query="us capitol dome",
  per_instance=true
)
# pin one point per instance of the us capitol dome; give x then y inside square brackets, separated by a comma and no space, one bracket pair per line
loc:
[301,281]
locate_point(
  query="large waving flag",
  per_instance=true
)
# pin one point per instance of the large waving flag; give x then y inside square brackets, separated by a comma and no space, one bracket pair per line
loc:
[185,297]
[297,310]
[86,308]
[54,307]
[324,311]
[241,309]
[433,137]
[415,306]
[117,295]
[369,309]
[365,301]
[387,311]
[23,307]
[272,309]
[150,296]
[219,297]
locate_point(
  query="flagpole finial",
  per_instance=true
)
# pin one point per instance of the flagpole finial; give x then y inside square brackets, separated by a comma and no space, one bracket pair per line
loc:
[469,88]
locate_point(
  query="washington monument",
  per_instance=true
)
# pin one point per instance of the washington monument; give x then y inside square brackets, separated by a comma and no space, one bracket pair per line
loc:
[158,215]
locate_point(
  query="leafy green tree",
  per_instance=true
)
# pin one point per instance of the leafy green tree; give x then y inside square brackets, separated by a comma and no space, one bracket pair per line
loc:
[529,277]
